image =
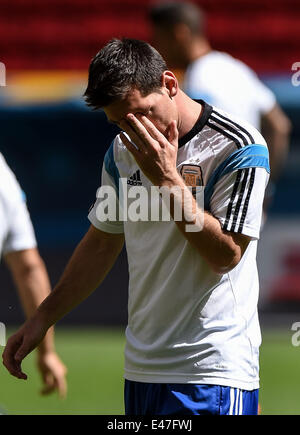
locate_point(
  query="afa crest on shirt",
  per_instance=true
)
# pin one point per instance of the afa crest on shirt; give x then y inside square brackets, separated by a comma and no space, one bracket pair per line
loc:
[192,175]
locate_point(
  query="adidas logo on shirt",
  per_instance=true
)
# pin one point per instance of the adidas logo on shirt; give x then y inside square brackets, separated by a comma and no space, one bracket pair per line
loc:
[135,179]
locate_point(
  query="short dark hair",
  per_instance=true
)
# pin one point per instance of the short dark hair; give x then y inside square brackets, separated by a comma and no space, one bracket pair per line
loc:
[120,66]
[170,13]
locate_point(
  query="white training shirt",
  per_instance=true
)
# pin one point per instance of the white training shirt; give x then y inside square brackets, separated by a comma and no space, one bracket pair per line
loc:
[229,84]
[187,324]
[16,231]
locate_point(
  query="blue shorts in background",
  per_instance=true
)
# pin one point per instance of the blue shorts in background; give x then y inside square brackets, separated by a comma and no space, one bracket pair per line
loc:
[188,399]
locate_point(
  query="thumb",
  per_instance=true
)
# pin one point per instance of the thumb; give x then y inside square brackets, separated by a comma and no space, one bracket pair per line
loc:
[173,134]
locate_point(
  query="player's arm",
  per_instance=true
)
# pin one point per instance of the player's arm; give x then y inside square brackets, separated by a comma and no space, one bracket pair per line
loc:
[222,250]
[276,129]
[30,276]
[88,266]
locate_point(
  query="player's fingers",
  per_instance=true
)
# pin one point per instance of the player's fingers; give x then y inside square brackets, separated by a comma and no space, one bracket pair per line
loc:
[54,383]
[129,145]
[49,382]
[142,136]
[141,128]
[15,370]
[12,364]
[22,352]
[9,352]
[61,385]
[132,135]
[151,129]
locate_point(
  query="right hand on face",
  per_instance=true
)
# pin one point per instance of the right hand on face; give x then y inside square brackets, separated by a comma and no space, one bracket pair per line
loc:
[19,345]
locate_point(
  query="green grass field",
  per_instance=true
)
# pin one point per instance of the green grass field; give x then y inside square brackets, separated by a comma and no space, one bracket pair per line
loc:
[95,376]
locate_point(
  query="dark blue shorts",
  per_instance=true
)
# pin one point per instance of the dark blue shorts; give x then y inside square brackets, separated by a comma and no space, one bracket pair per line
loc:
[188,399]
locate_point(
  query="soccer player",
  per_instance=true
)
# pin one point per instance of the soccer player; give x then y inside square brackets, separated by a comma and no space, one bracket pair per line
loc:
[19,249]
[193,336]
[222,80]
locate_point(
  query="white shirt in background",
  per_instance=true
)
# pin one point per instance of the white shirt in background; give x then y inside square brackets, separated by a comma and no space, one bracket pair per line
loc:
[230,85]
[16,230]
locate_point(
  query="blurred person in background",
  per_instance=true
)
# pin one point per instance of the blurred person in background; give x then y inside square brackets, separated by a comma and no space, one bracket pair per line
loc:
[179,34]
[19,249]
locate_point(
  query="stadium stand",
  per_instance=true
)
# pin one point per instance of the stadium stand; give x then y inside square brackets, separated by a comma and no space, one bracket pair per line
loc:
[52,34]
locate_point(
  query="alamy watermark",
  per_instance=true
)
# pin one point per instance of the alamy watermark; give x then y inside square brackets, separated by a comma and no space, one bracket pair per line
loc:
[2,334]
[2,74]
[296,75]
[136,203]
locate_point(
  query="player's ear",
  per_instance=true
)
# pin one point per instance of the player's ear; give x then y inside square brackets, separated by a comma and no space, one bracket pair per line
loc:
[170,83]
